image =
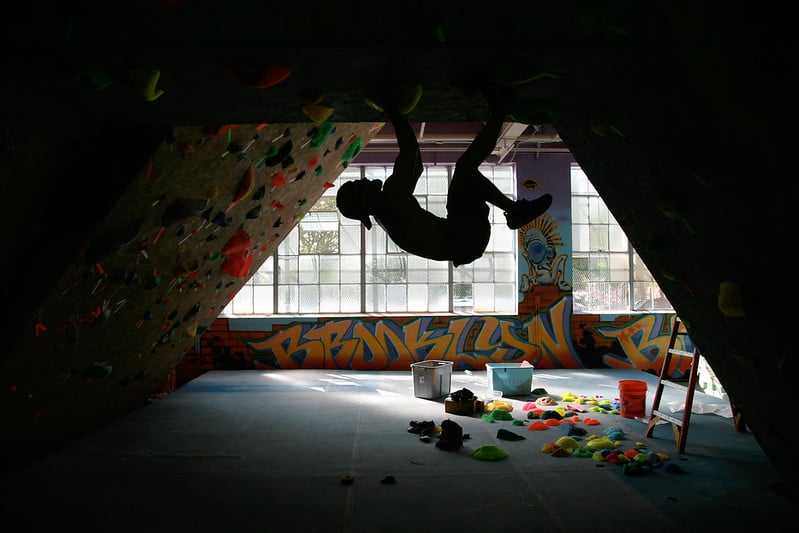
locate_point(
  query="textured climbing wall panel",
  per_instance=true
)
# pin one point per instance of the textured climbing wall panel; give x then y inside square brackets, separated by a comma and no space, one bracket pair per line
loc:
[202,214]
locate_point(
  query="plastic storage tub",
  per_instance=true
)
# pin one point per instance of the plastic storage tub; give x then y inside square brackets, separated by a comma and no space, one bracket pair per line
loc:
[431,379]
[513,379]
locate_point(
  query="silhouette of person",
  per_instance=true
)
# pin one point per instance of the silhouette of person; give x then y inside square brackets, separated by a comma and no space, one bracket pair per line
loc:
[463,235]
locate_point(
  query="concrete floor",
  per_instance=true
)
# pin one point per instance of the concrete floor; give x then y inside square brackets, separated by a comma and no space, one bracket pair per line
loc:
[267,451]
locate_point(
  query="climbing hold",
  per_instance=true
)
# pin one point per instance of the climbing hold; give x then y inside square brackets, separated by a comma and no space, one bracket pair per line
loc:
[238,264]
[500,414]
[561,452]
[260,193]
[279,155]
[245,186]
[567,442]
[352,150]
[537,426]
[317,112]
[216,131]
[403,95]
[600,443]
[504,434]
[98,370]
[258,77]
[600,126]
[278,180]
[222,220]
[489,452]
[182,209]
[112,241]
[239,242]
[582,452]
[730,300]
[323,131]
[146,81]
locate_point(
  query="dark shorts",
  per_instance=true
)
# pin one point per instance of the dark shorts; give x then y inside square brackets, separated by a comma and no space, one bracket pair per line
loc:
[469,227]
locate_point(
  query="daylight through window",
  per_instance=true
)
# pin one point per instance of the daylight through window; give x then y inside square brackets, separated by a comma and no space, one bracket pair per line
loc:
[331,265]
[608,274]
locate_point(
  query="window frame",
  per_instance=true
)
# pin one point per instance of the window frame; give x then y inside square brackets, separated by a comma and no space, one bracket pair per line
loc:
[413,280]
[599,243]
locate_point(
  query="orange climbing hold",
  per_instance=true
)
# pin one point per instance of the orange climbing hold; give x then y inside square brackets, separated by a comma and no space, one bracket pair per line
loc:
[239,242]
[238,264]
[245,186]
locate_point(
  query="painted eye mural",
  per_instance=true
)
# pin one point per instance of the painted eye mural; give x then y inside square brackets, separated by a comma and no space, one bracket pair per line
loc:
[539,242]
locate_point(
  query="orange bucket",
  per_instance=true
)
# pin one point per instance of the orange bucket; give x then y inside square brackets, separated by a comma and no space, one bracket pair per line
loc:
[633,398]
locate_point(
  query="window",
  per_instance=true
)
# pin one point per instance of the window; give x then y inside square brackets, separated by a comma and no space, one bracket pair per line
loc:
[331,265]
[608,274]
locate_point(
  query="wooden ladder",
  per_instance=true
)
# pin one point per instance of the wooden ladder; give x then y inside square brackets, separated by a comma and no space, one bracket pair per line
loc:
[679,425]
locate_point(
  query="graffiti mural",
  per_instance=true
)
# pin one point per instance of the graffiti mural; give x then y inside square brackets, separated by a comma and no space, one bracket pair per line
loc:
[544,339]
[641,341]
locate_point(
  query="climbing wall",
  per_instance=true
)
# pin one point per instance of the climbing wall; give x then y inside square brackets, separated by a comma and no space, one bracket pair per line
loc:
[202,214]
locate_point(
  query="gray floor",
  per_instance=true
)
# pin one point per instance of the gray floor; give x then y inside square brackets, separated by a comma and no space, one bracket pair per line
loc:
[266,451]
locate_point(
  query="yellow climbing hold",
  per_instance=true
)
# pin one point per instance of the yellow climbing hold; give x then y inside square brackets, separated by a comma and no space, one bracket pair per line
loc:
[498,406]
[567,442]
[568,397]
[730,300]
[408,95]
[600,443]
[404,95]
[146,81]
[317,112]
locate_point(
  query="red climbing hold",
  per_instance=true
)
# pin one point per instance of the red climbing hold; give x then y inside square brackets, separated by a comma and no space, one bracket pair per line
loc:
[259,78]
[278,180]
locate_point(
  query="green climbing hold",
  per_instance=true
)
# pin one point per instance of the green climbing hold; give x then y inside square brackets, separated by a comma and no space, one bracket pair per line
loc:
[352,150]
[325,129]
[499,414]
[489,452]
